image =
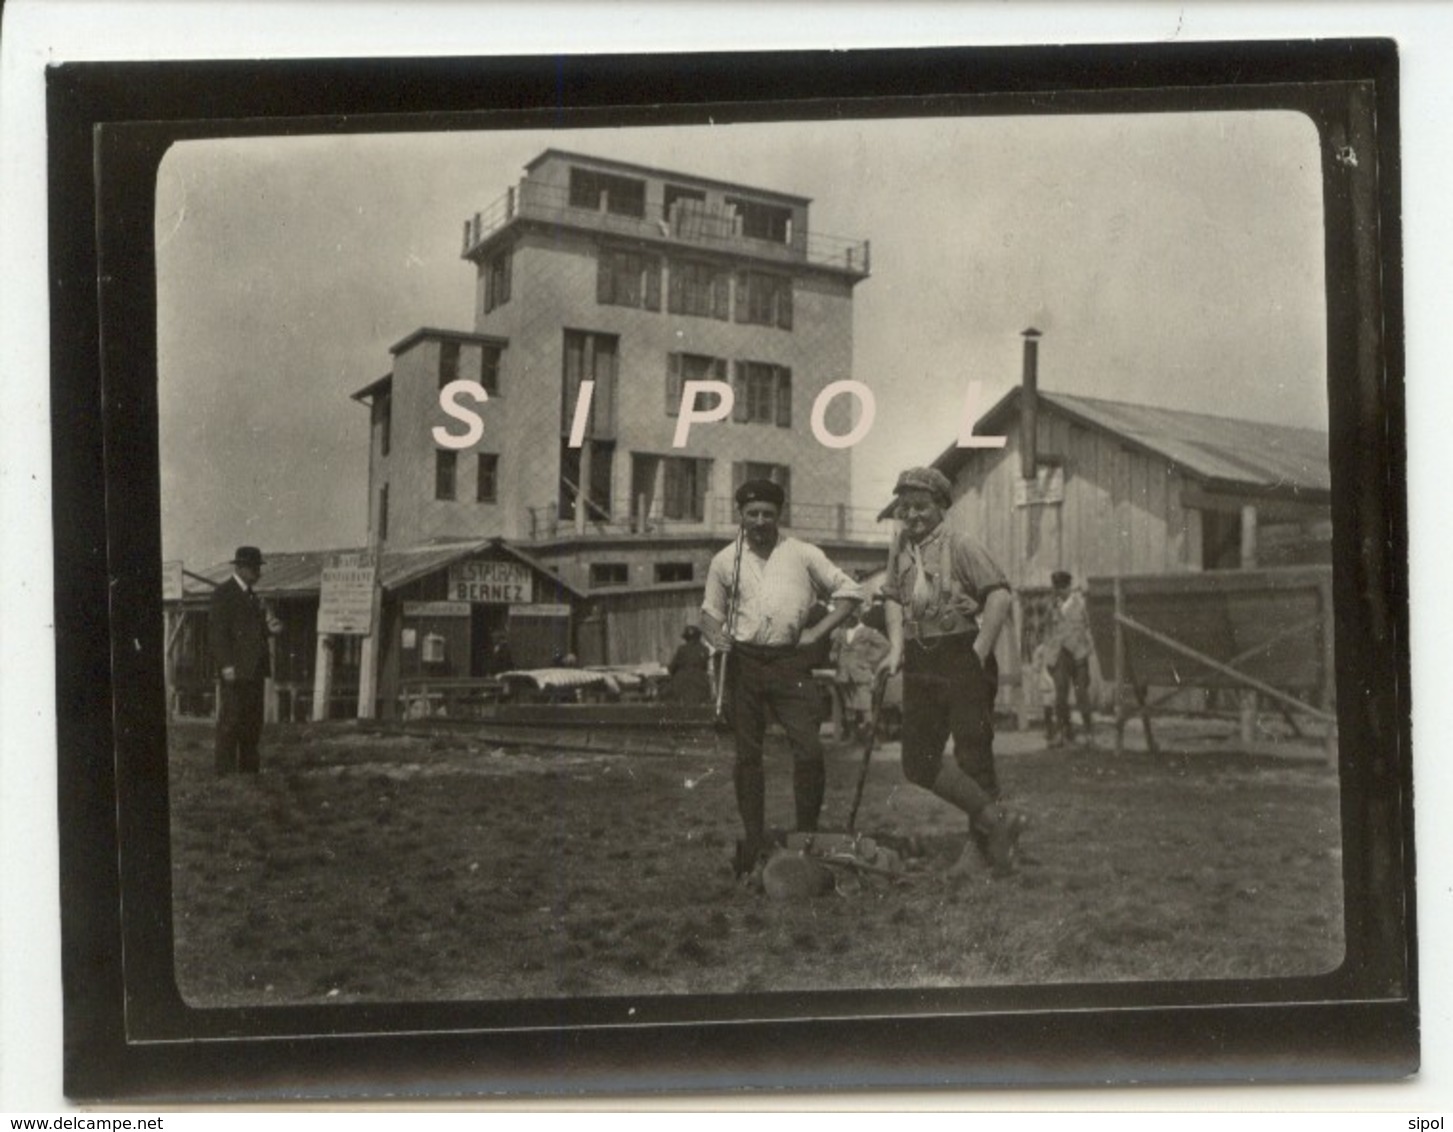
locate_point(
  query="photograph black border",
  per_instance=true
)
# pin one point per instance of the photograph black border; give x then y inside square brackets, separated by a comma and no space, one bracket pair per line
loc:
[109,125]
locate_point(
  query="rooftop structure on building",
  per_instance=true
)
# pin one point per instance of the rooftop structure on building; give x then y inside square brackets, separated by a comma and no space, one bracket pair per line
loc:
[613,284]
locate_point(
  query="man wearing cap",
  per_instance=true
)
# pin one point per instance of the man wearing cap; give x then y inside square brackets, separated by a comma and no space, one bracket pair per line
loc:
[239,628]
[1067,649]
[759,594]
[946,603]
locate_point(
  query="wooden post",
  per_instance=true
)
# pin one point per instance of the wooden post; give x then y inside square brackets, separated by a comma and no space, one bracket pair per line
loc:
[1248,562]
[1025,674]
[368,660]
[269,685]
[1119,667]
[322,677]
[582,488]
[173,631]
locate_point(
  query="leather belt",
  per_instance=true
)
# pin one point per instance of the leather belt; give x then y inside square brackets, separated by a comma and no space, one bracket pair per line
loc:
[950,626]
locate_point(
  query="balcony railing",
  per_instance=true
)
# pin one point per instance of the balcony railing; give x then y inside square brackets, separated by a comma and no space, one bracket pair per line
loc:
[719,516]
[687,222]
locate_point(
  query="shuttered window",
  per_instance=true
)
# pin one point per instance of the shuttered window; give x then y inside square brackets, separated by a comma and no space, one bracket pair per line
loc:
[486,482]
[763,394]
[628,279]
[701,289]
[683,488]
[497,272]
[446,467]
[764,299]
[681,368]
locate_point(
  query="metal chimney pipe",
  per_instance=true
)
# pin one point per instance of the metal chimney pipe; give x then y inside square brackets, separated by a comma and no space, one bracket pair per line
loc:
[1029,407]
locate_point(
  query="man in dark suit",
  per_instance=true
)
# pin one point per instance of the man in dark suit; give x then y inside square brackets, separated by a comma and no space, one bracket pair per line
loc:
[239,629]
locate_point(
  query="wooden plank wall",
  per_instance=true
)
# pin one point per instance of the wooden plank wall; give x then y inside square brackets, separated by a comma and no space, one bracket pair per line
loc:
[647,626]
[1121,513]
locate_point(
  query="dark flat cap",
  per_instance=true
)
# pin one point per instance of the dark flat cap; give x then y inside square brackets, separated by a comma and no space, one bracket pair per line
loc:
[1061,579]
[247,556]
[760,491]
[926,479]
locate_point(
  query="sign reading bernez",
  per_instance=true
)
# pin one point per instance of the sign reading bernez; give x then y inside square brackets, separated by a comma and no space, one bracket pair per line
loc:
[491,583]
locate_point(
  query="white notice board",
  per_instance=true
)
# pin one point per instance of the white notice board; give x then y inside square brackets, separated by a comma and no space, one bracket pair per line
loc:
[346,602]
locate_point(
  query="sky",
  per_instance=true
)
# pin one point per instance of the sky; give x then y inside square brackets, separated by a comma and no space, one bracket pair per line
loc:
[1170,259]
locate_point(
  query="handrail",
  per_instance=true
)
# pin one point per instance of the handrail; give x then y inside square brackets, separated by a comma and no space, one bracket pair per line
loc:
[538,200]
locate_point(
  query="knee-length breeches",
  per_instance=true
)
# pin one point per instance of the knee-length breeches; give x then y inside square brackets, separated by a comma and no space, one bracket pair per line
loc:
[947,691]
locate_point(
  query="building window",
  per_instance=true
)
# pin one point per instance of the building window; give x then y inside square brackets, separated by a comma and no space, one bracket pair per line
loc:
[764,299]
[448,362]
[674,572]
[623,196]
[489,369]
[497,271]
[763,221]
[383,513]
[628,279]
[609,574]
[383,419]
[683,488]
[689,367]
[700,289]
[780,474]
[446,466]
[486,481]
[589,357]
[763,394]
[598,479]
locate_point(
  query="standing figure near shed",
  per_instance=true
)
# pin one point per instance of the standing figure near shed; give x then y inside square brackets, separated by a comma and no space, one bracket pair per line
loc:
[690,681]
[1067,649]
[759,595]
[239,626]
[857,650]
[946,604]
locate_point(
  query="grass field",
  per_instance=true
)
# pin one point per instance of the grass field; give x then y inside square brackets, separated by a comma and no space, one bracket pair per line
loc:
[372,866]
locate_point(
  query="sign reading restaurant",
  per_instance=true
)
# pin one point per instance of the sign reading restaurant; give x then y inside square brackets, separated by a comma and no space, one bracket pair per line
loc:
[346,600]
[491,583]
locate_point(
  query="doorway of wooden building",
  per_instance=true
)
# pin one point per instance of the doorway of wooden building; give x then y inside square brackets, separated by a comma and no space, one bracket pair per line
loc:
[486,636]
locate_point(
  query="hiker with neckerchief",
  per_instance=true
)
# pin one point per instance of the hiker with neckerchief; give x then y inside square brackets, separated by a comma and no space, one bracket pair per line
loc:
[946,603]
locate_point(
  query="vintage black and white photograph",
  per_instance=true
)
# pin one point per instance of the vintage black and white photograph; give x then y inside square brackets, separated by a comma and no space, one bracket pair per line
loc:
[756,563]
[478,448]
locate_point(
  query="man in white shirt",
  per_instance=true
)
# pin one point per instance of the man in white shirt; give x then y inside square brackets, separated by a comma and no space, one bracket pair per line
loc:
[759,592]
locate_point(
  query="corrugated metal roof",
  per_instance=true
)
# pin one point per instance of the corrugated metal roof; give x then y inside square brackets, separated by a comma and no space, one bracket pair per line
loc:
[1230,451]
[300,572]
[1227,449]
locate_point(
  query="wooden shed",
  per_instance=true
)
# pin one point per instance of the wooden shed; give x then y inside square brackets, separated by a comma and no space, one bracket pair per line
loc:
[1101,487]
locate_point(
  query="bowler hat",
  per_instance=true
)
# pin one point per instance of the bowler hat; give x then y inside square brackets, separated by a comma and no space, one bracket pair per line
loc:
[247,556]
[1061,579]
[760,491]
[926,479]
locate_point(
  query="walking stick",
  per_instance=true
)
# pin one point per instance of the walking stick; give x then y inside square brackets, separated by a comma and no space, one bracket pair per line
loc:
[880,686]
[731,624]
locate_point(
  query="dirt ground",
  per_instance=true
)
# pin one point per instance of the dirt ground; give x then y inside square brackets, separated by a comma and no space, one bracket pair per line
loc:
[377,865]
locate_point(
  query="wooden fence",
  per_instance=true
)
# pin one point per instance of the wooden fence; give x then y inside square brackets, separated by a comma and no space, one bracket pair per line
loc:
[1268,634]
